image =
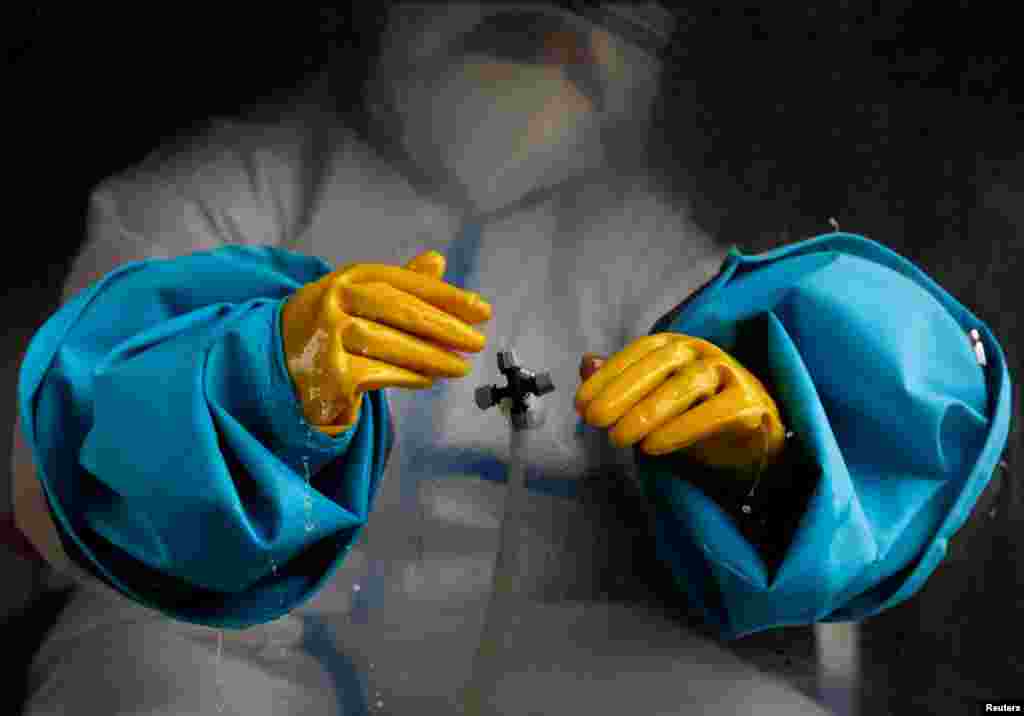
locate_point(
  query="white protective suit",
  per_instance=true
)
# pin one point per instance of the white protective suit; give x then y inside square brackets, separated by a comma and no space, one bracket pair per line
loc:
[586,264]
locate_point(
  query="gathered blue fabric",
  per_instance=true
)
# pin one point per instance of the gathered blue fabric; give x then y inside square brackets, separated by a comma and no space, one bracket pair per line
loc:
[171,448]
[873,369]
[180,471]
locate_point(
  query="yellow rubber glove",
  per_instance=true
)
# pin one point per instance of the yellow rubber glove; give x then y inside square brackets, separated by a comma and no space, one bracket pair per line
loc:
[370,326]
[674,392]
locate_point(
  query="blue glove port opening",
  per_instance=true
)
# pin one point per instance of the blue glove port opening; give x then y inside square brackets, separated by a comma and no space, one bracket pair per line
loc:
[783,490]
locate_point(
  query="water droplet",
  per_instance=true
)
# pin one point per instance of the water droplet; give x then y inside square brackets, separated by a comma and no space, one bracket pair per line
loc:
[356,587]
[992,513]
[310,522]
[380,704]
[221,701]
[371,667]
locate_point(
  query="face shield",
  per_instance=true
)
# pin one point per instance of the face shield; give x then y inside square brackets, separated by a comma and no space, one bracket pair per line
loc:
[491,102]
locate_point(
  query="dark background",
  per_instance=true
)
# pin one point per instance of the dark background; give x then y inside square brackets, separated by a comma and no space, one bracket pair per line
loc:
[899,119]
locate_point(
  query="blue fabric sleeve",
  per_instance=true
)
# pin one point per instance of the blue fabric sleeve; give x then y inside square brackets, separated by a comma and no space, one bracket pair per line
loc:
[897,429]
[172,450]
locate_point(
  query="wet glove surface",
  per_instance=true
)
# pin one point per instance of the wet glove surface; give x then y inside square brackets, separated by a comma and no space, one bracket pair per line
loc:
[370,326]
[671,392]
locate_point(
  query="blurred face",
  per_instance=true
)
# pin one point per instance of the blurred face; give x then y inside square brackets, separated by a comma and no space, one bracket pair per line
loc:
[517,102]
[501,129]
